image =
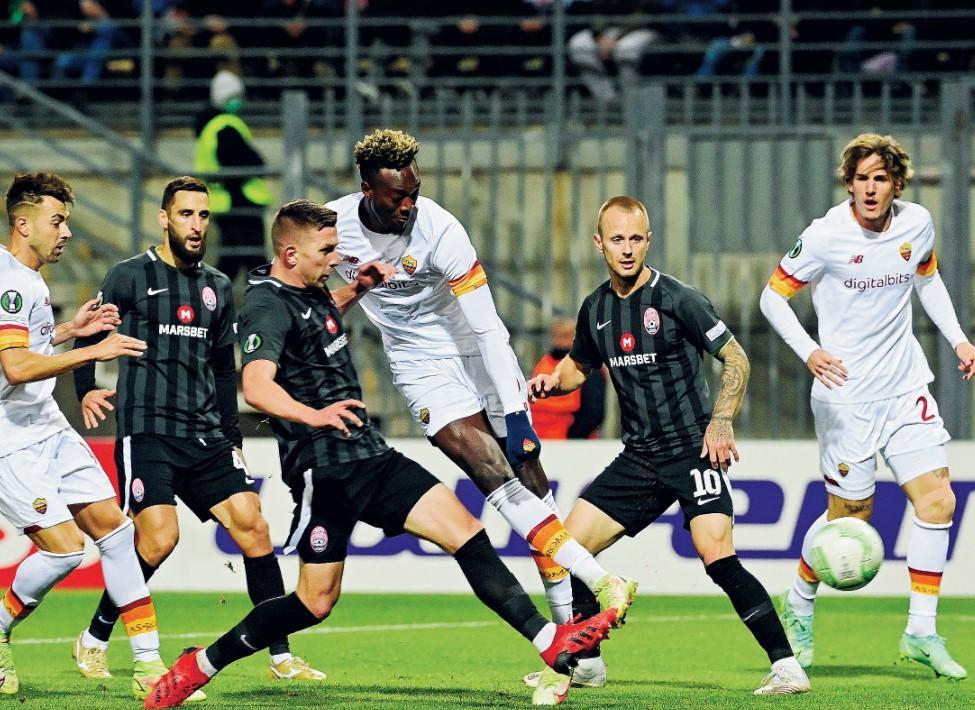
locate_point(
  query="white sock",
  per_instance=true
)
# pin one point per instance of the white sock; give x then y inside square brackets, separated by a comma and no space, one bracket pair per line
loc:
[789,663]
[34,578]
[543,639]
[555,578]
[927,552]
[128,591]
[204,663]
[534,521]
[802,595]
[277,658]
[89,641]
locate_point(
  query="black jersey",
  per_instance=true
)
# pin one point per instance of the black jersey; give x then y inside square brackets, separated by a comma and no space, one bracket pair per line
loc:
[300,330]
[183,316]
[652,341]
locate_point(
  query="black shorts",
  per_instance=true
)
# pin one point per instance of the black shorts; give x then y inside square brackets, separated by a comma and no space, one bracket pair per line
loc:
[154,469]
[330,500]
[634,491]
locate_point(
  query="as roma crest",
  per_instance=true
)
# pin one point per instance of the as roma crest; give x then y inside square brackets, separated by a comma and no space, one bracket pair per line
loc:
[906,251]
[409,264]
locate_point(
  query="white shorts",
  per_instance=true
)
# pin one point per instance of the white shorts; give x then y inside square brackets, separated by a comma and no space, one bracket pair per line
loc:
[444,390]
[907,429]
[38,483]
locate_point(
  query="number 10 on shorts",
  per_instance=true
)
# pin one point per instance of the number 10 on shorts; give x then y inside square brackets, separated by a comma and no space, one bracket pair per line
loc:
[706,483]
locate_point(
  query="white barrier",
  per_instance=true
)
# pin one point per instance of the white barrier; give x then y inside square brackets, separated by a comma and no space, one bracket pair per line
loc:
[778,492]
[777,487]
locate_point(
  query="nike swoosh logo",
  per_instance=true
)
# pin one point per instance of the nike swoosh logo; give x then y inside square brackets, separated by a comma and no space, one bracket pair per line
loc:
[154,291]
[307,314]
[600,326]
[243,640]
[707,500]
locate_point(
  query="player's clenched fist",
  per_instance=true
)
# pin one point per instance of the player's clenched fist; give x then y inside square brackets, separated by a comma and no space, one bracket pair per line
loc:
[117,345]
[541,387]
[375,273]
[337,416]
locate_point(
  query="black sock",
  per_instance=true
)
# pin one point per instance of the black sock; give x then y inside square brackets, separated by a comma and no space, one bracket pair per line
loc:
[753,605]
[264,582]
[107,614]
[496,587]
[584,603]
[265,623]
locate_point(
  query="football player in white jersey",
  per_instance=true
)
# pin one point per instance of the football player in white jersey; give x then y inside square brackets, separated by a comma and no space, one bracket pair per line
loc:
[870,394]
[451,360]
[51,486]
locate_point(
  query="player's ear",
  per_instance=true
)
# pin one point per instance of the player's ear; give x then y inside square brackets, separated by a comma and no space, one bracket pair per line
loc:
[22,225]
[163,219]
[366,189]
[598,242]
[290,256]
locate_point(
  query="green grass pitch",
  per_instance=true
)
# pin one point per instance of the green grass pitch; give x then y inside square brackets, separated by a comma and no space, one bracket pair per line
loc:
[445,651]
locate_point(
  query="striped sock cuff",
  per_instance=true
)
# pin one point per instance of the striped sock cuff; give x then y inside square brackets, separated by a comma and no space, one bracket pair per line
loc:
[15,607]
[925,582]
[139,617]
[806,572]
[549,569]
[548,536]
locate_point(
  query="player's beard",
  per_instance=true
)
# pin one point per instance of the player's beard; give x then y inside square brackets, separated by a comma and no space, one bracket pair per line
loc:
[181,252]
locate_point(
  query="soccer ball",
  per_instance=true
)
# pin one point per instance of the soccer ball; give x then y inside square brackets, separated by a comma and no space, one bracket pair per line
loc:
[846,553]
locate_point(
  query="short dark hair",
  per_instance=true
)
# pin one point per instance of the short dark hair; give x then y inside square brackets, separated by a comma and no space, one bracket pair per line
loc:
[384,148]
[184,183]
[298,214]
[31,188]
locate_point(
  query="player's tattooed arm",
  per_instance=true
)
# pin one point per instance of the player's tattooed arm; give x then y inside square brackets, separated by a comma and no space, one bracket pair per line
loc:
[719,437]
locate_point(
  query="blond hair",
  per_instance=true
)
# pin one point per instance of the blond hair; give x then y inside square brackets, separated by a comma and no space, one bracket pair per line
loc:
[623,202]
[384,148]
[896,160]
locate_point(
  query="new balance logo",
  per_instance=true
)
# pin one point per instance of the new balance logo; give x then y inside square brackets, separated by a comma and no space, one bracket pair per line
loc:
[856,259]
[155,291]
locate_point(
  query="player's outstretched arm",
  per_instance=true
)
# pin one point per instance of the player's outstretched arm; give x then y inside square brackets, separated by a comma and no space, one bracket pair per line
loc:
[92,318]
[371,275]
[567,377]
[267,396]
[20,365]
[719,437]
[936,301]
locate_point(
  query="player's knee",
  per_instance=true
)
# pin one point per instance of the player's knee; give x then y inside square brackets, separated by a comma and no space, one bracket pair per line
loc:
[938,506]
[156,546]
[321,605]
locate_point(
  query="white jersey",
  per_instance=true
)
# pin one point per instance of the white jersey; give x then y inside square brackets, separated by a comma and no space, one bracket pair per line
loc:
[861,290]
[417,311]
[28,412]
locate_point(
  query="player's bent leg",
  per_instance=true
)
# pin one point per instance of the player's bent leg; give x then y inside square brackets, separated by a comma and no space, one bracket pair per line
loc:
[318,591]
[927,552]
[241,514]
[712,538]
[61,551]
[157,530]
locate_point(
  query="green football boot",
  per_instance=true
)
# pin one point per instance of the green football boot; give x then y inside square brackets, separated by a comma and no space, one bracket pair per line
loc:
[9,683]
[798,629]
[614,592]
[931,651]
[552,688]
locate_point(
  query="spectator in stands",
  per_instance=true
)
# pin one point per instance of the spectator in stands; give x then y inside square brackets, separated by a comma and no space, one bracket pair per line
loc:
[236,202]
[81,49]
[577,415]
[614,40]
[291,30]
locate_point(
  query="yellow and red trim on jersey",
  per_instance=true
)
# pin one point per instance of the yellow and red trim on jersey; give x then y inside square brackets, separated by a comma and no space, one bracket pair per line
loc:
[785,284]
[139,617]
[928,266]
[925,582]
[475,278]
[14,336]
